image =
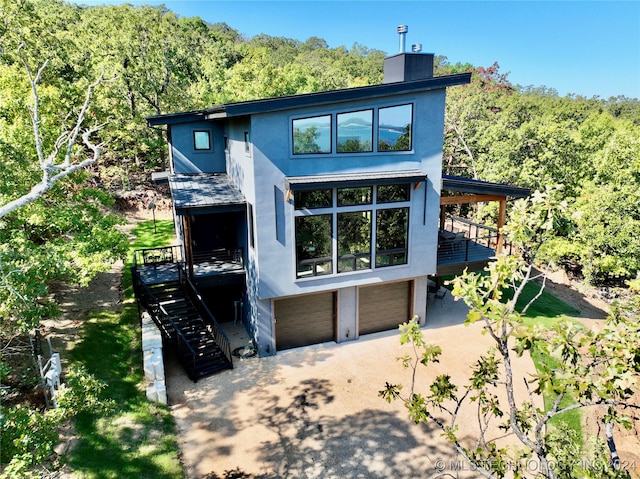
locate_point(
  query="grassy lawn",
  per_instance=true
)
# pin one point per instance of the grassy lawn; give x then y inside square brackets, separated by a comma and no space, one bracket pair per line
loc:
[546,310]
[138,439]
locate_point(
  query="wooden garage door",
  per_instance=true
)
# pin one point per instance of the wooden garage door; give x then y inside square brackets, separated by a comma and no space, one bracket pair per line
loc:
[305,320]
[384,307]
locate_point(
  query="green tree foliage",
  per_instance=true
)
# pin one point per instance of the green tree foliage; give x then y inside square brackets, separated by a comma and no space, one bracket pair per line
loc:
[531,137]
[590,368]
[27,436]
[65,234]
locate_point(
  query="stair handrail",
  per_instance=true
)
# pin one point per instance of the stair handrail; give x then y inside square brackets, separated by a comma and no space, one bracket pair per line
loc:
[182,342]
[153,306]
[210,321]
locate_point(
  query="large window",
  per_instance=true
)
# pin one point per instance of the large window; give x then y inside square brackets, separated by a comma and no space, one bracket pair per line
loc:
[312,135]
[337,228]
[392,226]
[390,128]
[394,128]
[354,241]
[313,245]
[355,131]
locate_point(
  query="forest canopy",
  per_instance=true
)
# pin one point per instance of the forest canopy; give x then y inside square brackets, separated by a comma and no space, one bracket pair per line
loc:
[154,61]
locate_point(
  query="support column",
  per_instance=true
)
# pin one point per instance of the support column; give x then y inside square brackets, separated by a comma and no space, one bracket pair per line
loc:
[502,216]
[188,247]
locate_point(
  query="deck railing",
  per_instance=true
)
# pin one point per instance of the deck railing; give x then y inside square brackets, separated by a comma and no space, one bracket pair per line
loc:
[484,235]
[222,255]
[173,255]
[151,256]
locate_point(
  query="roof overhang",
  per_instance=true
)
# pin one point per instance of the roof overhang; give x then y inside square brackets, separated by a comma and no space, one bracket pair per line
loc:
[311,99]
[352,180]
[457,184]
[204,193]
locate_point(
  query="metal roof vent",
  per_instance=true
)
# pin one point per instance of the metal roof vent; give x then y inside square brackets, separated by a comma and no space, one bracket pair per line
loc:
[416,47]
[402,31]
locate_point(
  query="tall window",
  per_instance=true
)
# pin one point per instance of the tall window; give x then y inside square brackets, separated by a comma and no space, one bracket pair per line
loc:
[312,135]
[392,227]
[314,250]
[355,131]
[394,128]
[351,220]
[354,241]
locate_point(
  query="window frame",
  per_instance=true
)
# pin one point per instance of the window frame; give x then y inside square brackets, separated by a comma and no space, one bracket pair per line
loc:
[411,128]
[372,208]
[333,129]
[314,153]
[195,140]
[371,139]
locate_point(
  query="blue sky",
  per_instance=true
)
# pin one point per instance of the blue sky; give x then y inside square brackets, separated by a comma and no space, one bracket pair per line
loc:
[589,48]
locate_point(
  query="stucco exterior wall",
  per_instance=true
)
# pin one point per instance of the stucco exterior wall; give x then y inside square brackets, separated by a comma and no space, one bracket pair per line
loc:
[260,171]
[186,159]
[273,161]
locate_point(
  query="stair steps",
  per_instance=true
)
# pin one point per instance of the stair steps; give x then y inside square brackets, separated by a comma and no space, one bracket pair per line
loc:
[207,357]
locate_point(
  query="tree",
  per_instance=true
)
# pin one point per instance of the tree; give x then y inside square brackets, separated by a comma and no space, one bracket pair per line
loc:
[582,368]
[52,167]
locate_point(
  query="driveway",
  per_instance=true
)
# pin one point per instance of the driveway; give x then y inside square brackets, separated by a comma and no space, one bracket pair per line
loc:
[314,412]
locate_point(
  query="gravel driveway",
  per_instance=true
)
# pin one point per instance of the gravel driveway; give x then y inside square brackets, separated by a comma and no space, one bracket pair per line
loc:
[314,412]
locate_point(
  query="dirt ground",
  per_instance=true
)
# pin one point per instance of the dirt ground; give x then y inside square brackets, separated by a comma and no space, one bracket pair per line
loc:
[315,411]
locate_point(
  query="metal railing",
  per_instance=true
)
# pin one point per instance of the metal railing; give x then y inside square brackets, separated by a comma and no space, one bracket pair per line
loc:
[478,233]
[171,330]
[222,255]
[162,255]
[173,254]
[210,321]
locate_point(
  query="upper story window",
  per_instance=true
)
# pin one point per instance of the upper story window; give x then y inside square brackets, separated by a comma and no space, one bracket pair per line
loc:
[394,128]
[355,131]
[201,140]
[389,128]
[312,135]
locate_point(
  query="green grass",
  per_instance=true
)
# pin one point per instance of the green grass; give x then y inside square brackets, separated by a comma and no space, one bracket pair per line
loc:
[138,439]
[546,311]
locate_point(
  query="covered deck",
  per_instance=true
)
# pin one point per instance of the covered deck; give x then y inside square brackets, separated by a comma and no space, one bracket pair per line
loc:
[165,264]
[464,244]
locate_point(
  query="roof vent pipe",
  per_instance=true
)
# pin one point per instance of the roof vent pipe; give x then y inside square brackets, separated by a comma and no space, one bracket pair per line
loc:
[402,31]
[416,47]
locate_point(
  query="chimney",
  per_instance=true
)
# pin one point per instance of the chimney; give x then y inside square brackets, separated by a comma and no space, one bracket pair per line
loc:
[402,31]
[408,66]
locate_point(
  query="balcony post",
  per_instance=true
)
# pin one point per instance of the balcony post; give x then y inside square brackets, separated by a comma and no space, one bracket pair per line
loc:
[502,216]
[188,248]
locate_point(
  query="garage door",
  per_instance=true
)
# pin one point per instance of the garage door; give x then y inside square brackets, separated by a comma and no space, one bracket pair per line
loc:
[384,306]
[305,320]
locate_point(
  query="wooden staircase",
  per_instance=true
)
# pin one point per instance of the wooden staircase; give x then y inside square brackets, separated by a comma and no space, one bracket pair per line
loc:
[186,324]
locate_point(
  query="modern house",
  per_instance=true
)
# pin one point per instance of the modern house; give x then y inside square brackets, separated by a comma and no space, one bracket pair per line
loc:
[315,217]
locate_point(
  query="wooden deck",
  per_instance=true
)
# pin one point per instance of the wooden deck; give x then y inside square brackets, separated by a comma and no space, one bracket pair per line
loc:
[454,255]
[161,265]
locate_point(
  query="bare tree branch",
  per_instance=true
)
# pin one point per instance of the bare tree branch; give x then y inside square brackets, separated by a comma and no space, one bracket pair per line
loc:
[52,172]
